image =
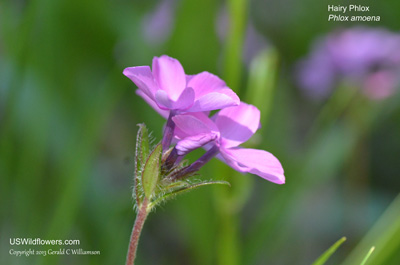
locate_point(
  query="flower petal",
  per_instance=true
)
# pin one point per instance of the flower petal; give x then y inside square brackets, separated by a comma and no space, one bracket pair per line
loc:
[204,83]
[213,101]
[237,124]
[152,103]
[188,78]
[211,92]
[193,142]
[170,76]
[163,101]
[184,102]
[255,161]
[193,124]
[143,78]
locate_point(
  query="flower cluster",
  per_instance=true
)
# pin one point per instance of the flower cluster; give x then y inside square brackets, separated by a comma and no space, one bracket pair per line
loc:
[366,57]
[186,101]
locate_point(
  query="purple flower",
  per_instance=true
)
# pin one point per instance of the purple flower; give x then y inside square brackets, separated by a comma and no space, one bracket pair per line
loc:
[222,135]
[169,91]
[368,58]
[166,88]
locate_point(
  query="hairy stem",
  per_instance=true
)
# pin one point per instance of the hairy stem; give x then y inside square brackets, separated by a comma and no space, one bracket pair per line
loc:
[137,229]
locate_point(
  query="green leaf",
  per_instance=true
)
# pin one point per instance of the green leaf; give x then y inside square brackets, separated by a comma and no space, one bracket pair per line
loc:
[151,172]
[367,256]
[183,187]
[327,254]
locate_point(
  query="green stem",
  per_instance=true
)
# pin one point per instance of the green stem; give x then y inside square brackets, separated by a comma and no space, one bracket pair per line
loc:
[233,49]
[137,229]
[228,245]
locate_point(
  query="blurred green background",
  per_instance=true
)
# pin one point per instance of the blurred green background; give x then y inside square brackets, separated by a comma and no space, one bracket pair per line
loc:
[68,125]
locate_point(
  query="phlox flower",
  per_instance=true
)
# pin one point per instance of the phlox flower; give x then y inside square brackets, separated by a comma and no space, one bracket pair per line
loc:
[366,57]
[166,88]
[221,135]
[169,91]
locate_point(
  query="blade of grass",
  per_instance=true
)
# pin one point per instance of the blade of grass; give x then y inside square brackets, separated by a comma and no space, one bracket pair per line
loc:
[367,256]
[327,254]
[229,250]
[262,81]
[384,235]
[233,50]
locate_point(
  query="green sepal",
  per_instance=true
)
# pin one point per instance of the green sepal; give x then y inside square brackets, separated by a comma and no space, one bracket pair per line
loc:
[177,187]
[142,146]
[141,154]
[151,172]
[328,253]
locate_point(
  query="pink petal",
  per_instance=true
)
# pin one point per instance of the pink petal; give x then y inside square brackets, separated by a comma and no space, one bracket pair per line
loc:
[188,78]
[184,102]
[255,161]
[170,76]
[193,142]
[211,92]
[163,101]
[188,125]
[204,83]
[213,101]
[152,103]
[143,79]
[237,124]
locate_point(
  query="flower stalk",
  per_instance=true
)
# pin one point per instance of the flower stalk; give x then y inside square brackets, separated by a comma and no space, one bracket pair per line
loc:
[136,231]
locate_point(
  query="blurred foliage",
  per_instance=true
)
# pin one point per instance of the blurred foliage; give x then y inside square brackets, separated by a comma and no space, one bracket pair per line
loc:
[327,254]
[68,123]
